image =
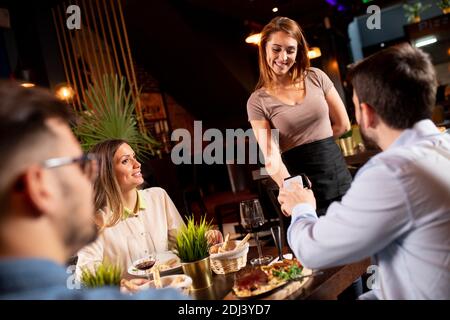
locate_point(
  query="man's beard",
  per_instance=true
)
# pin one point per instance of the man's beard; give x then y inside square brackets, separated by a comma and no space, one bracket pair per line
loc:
[369,143]
[76,234]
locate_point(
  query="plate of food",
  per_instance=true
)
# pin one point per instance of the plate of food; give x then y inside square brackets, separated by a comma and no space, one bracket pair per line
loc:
[168,263]
[253,282]
[262,281]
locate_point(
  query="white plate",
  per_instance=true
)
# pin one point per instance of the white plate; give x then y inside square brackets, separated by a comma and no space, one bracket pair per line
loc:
[184,282]
[161,258]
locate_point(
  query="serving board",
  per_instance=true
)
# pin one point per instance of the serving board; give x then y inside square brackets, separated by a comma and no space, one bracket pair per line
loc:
[281,293]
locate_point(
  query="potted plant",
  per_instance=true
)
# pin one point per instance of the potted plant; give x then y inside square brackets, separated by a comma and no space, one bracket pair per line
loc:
[413,11]
[192,248]
[346,143]
[444,5]
[104,274]
[109,114]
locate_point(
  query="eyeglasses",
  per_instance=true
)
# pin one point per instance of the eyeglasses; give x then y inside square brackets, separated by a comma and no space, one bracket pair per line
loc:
[87,163]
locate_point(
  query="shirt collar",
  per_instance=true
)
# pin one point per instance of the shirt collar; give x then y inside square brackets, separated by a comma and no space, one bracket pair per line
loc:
[420,130]
[141,204]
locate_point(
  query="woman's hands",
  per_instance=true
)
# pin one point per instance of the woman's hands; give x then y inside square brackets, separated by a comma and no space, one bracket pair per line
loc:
[133,285]
[272,155]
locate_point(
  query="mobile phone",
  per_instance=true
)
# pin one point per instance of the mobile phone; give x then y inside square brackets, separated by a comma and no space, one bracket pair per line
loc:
[287,182]
[306,183]
[301,178]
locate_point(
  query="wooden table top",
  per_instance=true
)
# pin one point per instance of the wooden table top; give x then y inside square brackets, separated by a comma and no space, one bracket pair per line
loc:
[326,286]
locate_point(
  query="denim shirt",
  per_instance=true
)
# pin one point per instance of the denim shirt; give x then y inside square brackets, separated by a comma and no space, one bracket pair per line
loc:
[37,279]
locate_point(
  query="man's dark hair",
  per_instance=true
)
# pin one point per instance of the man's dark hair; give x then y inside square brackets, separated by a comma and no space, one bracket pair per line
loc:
[399,83]
[23,113]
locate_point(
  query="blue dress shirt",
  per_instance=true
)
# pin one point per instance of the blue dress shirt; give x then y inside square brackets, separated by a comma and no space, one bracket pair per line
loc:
[397,211]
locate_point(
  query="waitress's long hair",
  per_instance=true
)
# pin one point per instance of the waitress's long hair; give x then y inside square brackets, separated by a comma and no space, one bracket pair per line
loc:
[289,26]
[107,193]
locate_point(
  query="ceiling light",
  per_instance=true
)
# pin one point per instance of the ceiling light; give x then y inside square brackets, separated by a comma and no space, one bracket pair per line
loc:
[25,77]
[275,9]
[421,42]
[27,84]
[314,52]
[64,92]
[254,38]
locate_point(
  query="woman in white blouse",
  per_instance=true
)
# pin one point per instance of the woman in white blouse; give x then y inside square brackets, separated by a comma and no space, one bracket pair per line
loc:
[122,211]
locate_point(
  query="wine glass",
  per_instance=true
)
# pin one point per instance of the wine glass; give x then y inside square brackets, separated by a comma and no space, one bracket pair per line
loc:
[141,247]
[252,218]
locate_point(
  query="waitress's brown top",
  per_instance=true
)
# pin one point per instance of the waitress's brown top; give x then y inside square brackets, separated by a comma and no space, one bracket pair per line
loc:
[302,123]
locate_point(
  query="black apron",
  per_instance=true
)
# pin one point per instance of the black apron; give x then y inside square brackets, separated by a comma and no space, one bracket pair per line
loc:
[322,161]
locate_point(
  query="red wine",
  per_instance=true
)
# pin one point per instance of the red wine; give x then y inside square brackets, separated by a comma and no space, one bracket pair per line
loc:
[145,265]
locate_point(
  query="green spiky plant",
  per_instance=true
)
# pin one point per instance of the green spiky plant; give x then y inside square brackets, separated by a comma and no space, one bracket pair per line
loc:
[105,274]
[191,242]
[347,134]
[110,115]
[413,11]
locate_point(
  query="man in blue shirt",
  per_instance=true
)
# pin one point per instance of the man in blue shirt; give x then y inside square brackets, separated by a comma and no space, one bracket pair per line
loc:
[46,200]
[398,207]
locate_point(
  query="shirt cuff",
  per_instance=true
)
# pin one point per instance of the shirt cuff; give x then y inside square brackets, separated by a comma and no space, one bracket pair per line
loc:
[303,211]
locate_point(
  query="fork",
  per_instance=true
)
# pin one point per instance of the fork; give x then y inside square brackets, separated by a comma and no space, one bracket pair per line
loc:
[301,277]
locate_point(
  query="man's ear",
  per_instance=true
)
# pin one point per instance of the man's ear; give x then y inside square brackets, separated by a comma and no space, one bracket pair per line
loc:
[368,115]
[38,189]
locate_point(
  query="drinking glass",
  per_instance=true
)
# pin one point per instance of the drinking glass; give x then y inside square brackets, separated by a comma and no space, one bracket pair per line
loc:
[141,246]
[252,218]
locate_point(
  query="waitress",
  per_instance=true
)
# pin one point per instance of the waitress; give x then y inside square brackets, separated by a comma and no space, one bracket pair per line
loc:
[302,103]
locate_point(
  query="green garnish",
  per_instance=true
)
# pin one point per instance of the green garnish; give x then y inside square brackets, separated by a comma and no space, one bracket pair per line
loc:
[290,274]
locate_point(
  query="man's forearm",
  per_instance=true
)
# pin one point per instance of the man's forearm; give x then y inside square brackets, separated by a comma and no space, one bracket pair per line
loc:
[303,219]
[322,243]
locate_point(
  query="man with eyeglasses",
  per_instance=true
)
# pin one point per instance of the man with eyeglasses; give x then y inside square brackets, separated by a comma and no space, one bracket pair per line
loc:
[46,200]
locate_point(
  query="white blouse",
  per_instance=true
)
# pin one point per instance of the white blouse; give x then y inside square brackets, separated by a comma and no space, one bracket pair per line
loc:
[157,216]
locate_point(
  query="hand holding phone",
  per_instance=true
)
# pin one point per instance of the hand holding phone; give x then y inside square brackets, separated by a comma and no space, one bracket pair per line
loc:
[287,182]
[302,179]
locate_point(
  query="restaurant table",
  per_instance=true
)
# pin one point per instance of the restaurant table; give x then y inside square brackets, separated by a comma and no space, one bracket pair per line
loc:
[325,286]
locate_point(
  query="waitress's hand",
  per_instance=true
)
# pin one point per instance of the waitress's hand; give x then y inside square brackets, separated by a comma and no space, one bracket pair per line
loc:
[296,194]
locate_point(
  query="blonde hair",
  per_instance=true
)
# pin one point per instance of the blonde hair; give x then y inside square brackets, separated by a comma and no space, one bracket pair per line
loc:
[289,26]
[107,191]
